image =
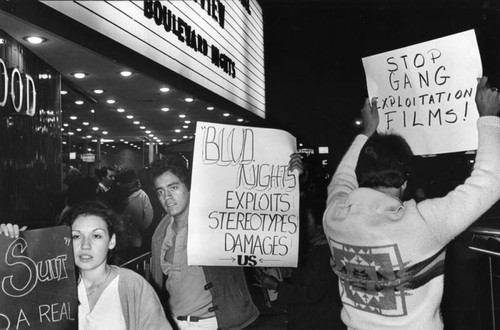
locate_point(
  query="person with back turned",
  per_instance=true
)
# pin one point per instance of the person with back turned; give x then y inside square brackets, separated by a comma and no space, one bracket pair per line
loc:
[389,254]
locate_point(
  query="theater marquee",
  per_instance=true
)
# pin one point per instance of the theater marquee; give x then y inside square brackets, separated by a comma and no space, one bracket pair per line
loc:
[218,44]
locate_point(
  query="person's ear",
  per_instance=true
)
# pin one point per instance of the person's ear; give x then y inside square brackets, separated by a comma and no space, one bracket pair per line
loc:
[112,242]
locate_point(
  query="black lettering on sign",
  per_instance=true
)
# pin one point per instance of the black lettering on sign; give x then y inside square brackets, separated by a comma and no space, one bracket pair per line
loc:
[227,146]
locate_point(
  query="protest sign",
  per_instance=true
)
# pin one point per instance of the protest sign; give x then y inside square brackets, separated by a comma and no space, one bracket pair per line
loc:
[244,202]
[426,92]
[37,278]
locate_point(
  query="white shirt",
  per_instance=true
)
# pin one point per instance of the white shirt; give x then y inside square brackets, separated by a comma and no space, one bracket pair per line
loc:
[107,313]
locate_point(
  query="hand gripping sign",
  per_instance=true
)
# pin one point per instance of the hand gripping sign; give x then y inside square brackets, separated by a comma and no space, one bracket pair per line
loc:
[426,92]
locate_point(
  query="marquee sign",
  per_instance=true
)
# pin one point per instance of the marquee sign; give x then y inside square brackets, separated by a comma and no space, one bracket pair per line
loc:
[218,44]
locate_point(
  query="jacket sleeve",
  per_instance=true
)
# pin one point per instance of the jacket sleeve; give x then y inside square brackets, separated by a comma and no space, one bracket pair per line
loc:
[448,216]
[156,243]
[344,180]
[151,314]
[144,308]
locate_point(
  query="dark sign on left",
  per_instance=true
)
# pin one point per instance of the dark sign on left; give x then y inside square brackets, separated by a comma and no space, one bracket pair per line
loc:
[37,280]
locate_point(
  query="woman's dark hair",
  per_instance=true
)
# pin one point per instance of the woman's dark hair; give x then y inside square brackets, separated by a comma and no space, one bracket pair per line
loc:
[175,164]
[95,208]
[384,161]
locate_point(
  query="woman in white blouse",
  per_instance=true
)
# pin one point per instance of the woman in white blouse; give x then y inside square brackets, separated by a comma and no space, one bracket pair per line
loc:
[110,297]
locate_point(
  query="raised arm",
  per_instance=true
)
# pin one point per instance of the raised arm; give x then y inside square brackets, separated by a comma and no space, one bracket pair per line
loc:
[344,180]
[452,214]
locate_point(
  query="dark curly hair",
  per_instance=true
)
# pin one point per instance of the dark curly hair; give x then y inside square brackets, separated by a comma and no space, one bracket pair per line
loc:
[384,161]
[176,164]
[95,208]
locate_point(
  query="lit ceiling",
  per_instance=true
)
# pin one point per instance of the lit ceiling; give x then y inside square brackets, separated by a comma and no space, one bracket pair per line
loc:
[162,117]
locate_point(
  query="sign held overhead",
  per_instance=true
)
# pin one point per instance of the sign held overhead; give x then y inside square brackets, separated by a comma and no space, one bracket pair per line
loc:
[425,93]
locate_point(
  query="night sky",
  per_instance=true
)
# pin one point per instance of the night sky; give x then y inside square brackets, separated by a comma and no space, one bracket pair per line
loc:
[315,82]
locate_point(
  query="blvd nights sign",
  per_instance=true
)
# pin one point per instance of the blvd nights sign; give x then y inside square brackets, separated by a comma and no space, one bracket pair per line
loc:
[172,23]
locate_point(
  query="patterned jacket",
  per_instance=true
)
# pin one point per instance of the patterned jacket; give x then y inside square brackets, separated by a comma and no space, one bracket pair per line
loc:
[388,254]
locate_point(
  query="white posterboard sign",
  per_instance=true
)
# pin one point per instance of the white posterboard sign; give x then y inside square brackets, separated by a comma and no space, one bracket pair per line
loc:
[244,204]
[426,93]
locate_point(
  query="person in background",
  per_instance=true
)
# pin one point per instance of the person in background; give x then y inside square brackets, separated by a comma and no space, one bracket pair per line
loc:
[146,184]
[200,297]
[312,293]
[106,178]
[135,209]
[110,297]
[389,254]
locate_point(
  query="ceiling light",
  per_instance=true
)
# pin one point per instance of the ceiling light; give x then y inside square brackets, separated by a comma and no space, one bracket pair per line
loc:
[95,128]
[35,40]
[98,91]
[130,116]
[63,92]
[185,137]
[182,116]
[65,125]
[160,143]
[136,122]
[79,102]
[142,127]
[62,129]
[147,132]
[89,136]
[105,132]
[126,142]
[177,131]
[164,89]
[189,99]
[185,126]
[71,133]
[239,120]
[210,108]
[44,76]
[85,123]
[126,73]
[2,41]
[78,129]
[92,110]
[73,117]
[79,75]
[120,110]
[110,101]
[187,121]
[225,114]
[165,109]
[174,140]
[151,135]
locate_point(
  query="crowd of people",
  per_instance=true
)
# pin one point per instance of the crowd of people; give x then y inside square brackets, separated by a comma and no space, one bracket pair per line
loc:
[368,259]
